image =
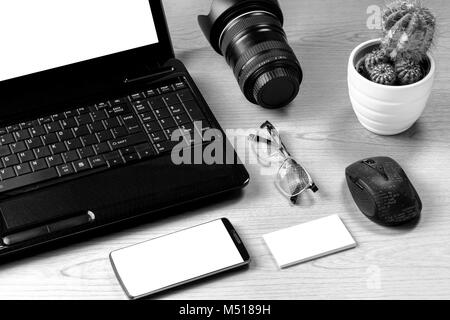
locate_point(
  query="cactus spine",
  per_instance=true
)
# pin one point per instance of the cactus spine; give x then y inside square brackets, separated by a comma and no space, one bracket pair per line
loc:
[408,29]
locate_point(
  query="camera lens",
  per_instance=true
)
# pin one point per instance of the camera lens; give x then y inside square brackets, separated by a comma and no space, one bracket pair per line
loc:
[250,35]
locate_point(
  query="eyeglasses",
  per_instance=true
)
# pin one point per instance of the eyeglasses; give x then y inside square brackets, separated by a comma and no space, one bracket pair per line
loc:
[292,179]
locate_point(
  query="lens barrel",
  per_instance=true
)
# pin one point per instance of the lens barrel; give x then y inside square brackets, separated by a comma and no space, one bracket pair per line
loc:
[250,35]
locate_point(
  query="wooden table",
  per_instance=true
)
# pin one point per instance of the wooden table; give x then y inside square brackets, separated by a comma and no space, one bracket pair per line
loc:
[321,130]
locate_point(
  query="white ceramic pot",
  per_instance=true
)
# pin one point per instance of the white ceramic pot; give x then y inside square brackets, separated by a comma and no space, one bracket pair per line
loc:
[386,110]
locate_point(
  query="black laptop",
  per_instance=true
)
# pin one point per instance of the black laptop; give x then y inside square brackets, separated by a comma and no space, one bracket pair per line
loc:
[90,95]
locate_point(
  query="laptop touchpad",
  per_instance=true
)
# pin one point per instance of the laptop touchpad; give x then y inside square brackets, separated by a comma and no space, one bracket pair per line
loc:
[25,212]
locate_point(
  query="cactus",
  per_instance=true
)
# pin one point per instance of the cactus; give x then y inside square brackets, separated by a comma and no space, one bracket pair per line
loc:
[408,30]
[408,71]
[374,58]
[383,73]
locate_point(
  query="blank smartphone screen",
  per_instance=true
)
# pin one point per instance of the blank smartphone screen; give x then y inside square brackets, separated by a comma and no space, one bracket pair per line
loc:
[176,258]
[45,34]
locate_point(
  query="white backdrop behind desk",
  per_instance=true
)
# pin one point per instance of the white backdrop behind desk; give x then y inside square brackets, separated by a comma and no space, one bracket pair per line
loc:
[321,131]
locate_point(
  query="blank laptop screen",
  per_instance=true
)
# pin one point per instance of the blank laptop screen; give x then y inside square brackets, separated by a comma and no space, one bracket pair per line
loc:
[37,35]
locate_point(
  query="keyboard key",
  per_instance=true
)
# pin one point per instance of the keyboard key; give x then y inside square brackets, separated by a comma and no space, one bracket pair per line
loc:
[81,165]
[152,126]
[182,119]
[129,119]
[177,109]
[167,123]
[65,135]
[55,160]
[38,164]
[6,139]
[165,89]
[119,101]
[89,140]
[101,148]
[179,85]
[22,169]
[96,126]
[102,105]
[157,103]
[42,152]
[86,152]
[26,156]
[97,162]
[83,110]
[162,113]
[65,169]
[119,132]
[137,96]
[105,136]
[18,147]
[37,131]
[58,116]
[7,173]
[84,119]
[44,120]
[70,156]
[81,131]
[128,141]
[131,157]
[127,150]
[118,110]
[151,93]
[52,127]
[50,138]
[34,143]
[28,179]
[171,99]
[13,128]
[114,159]
[26,124]
[147,117]
[69,123]
[158,136]
[165,146]
[145,151]
[73,144]
[112,123]
[4,151]
[99,115]
[21,135]
[194,110]
[57,148]
[142,107]
[185,95]
[71,113]
[3,131]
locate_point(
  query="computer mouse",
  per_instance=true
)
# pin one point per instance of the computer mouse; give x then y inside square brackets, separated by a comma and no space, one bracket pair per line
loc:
[383,192]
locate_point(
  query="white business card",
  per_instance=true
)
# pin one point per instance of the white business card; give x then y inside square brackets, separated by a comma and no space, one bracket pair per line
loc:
[309,241]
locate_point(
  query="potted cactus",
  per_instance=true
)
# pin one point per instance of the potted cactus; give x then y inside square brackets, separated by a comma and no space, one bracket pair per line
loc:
[390,79]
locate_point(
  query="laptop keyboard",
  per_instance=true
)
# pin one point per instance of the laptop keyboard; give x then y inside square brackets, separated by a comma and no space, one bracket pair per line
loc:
[101,136]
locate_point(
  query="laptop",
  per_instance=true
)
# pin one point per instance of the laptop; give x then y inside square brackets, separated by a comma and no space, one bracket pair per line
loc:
[91,94]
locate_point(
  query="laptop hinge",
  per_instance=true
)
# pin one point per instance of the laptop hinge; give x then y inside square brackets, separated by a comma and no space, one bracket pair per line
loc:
[160,73]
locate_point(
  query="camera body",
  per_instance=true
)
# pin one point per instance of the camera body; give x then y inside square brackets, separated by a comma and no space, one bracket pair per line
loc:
[250,35]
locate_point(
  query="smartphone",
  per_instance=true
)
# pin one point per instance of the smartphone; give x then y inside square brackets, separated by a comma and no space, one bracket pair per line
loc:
[178,258]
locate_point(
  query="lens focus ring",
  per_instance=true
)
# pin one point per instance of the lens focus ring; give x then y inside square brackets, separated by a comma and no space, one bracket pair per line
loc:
[259,49]
[244,24]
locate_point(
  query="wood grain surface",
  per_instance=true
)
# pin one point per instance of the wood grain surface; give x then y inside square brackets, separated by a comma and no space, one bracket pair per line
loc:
[322,132]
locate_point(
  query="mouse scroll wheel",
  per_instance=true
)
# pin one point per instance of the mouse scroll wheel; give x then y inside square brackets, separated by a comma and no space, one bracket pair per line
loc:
[370,162]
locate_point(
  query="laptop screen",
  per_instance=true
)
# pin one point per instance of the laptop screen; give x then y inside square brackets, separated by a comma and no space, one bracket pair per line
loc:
[45,34]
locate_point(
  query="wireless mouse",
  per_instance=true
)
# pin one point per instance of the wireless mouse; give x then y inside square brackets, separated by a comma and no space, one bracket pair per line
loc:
[383,192]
